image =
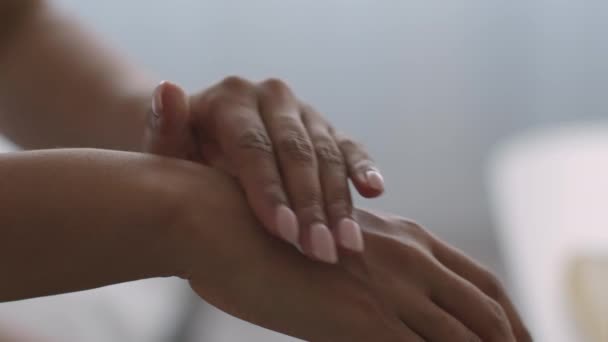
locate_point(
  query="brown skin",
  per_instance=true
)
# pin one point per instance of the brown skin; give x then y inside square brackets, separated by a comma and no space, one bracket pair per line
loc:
[79,219]
[157,217]
[265,137]
[61,87]
[406,286]
[68,214]
[84,94]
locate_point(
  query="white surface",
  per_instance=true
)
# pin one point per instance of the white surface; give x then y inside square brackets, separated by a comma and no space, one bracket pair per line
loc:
[220,327]
[144,311]
[551,194]
[5,145]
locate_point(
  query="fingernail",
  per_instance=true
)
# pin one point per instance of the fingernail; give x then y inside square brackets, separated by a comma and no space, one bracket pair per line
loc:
[375,180]
[157,100]
[323,247]
[350,235]
[287,224]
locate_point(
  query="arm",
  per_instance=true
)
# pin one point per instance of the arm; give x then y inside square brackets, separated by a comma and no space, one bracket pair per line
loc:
[78,219]
[59,86]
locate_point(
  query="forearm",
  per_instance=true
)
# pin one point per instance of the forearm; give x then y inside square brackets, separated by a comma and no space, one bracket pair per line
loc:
[79,219]
[60,87]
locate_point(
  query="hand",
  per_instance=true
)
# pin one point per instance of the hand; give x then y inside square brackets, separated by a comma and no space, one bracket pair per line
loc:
[287,157]
[406,286]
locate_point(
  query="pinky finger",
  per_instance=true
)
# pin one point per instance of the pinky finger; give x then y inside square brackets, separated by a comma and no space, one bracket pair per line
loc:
[361,168]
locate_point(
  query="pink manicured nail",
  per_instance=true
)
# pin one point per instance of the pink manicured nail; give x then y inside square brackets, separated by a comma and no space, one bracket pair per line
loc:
[157,100]
[375,180]
[287,225]
[323,246]
[350,235]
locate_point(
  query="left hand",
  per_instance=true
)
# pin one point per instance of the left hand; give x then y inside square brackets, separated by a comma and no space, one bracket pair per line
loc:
[292,164]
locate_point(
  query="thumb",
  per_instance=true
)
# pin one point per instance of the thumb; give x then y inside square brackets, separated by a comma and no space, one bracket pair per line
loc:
[170,108]
[169,130]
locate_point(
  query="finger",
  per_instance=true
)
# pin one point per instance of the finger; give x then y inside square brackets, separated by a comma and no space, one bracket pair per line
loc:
[464,301]
[408,335]
[168,131]
[433,323]
[382,327]
[334,182]
[377,327]
[485,281]
[361,168]
[298,165]
[233,120]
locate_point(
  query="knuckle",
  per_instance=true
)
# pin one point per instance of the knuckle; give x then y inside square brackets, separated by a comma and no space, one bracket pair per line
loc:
[328,154]
[492,285]
[276,86]
[348,144]
[311,212]
[412,254]
[498,321]
[288,123]
[295,146]
[255,139]
[272,191]
[412,229]
[339,207]
[306,108]
[224,103]
[235,83]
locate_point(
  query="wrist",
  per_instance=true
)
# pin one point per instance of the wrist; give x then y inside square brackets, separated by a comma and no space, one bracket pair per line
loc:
[214,226]
[197,200]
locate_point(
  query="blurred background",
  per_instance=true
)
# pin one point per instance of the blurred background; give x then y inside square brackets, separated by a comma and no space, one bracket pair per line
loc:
[449,97]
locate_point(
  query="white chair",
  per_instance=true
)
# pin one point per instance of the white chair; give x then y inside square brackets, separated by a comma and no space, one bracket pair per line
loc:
[550,197]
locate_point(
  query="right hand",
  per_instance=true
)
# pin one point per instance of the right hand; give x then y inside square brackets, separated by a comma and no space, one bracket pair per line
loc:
[406,286]
[293,165]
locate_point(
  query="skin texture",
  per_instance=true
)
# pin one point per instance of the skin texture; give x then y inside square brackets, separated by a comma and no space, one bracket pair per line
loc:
[406,286]
[293,165]
[149,216]
[78,219]
[283,152]
[157,217]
